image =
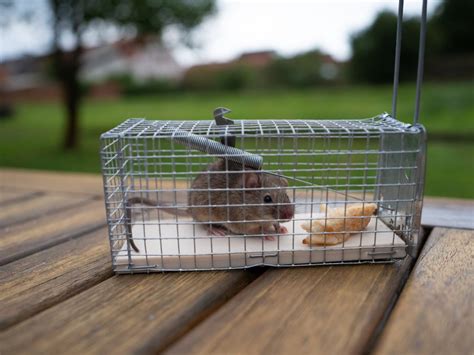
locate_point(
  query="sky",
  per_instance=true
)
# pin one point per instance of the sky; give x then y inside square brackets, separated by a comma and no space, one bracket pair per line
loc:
[286,26]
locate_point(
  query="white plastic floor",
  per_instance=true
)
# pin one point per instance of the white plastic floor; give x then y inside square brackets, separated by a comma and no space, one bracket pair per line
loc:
[178,249]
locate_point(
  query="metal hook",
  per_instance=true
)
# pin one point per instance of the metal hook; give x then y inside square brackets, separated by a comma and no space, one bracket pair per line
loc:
[219,113]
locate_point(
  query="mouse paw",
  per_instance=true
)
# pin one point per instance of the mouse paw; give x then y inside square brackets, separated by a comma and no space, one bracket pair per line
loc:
[269,237]
[283,230]
[217,231]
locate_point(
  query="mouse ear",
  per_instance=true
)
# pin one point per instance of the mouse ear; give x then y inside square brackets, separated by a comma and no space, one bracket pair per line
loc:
[251,180]
[283,182]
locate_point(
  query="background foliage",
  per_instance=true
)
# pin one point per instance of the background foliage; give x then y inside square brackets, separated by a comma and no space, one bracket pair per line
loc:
[30,140]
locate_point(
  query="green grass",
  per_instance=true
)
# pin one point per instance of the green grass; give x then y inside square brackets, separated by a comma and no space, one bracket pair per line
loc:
[32,139]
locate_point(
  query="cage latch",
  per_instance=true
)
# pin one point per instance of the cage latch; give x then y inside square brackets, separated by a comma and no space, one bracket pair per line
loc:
[226,139]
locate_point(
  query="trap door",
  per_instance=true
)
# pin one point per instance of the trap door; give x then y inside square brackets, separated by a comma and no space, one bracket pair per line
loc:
[400,180]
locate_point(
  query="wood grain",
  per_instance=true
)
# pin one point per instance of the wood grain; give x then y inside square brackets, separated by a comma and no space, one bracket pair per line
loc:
[448,212]
[8,196]
[437,212]
[319,310]
[49,181]
[37,282]
[38,206]
[435,312]
[52,181]
[27,238]
[444,212]
[125,314]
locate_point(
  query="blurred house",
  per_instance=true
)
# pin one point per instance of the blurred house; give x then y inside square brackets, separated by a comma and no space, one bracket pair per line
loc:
[140,59]
[450,67]
[330,68]
[256,59]
[27,78]
[228,75]
[265,70]
[30,78]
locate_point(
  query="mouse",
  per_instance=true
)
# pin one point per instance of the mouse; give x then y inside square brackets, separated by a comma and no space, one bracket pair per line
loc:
[231,200]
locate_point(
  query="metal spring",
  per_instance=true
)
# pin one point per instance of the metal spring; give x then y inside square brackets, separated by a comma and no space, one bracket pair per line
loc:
[212,147]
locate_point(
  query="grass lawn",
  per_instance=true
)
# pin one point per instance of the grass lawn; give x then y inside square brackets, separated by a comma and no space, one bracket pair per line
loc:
[32,139]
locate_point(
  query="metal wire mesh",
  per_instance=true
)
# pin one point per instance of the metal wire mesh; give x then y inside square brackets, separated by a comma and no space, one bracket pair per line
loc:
[189,209]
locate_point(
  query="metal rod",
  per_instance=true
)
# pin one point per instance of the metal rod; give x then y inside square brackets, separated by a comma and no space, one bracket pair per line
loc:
[209,146]
[421,57]
[396,74]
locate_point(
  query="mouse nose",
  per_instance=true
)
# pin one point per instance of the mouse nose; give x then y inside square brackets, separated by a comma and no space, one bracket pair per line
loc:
[286,212]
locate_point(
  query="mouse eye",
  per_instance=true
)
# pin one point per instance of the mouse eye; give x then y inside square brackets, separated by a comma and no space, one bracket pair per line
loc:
[267,199]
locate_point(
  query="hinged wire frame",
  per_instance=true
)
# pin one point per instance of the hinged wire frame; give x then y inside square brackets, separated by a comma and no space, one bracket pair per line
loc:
[142,128]
[329,163]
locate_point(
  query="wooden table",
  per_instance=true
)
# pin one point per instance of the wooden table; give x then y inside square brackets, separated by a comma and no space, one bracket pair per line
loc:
[59,295]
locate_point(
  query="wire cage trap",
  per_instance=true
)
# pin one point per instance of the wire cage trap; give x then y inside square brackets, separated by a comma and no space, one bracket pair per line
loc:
[200,195]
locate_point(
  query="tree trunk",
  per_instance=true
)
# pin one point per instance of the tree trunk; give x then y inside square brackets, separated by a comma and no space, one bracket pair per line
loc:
[71,136]
[71,97]
[67,66]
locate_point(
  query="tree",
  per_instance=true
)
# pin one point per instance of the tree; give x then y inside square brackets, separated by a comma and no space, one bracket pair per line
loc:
[74,18]
[373,50]
[452,26]
[302,70]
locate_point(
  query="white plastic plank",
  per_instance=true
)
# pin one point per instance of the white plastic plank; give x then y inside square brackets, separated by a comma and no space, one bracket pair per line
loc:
[165,245]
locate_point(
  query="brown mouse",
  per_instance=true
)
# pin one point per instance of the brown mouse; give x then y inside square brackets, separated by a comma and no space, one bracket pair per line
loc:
[229,199]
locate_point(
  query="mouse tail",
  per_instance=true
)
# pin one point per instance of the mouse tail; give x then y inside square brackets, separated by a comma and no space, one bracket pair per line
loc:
[180,212]
[144,201]
[128,223]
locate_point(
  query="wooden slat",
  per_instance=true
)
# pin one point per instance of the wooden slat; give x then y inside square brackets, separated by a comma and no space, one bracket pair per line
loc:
[38,206]
[8,196]
[319,310]
[435,312]
[61,181]
[437,212]
[52,181]
[448,212]
[27,238]
[37,282]
[125,314]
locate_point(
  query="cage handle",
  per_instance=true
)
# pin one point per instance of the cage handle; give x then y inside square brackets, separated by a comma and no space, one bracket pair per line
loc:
[398,45]
[421,57]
